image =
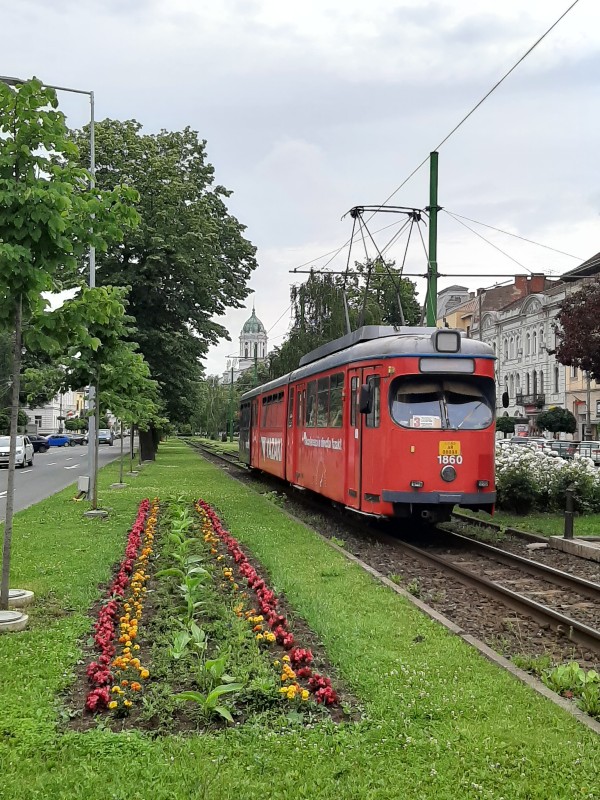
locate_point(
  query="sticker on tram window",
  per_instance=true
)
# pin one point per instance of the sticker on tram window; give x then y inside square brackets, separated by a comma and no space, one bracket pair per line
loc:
[425,421]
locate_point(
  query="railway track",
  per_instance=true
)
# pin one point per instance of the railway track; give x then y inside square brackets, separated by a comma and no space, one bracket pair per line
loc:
[567,603]
[553,598]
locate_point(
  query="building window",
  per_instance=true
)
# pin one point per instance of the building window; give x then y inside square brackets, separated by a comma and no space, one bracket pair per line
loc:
[527,345]
[511,385]
[527,383]
[38,422]
[541,382]
[245,351]
[506,349]
[518,383]
[556,373]
[573,372]
[534,343]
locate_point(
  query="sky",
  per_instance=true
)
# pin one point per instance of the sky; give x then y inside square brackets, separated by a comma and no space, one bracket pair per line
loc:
[310,108]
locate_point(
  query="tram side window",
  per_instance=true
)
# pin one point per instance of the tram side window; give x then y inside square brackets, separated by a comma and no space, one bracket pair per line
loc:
[323,402]
[311,405]
[273,411]
[290,408]
[254,413]
[335,400]
[300,407]
[373,417]
[353,401]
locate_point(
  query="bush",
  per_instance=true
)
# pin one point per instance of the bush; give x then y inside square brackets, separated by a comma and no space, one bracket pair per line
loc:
[528,479]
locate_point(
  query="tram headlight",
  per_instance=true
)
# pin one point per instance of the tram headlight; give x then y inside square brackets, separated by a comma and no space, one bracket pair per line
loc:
[448,473]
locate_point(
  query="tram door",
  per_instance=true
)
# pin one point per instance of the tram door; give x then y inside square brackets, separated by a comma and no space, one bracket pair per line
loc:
[362,478]
[254,437]
[353,440]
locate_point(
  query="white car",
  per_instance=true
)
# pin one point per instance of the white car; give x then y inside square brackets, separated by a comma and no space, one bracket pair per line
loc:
[24,451]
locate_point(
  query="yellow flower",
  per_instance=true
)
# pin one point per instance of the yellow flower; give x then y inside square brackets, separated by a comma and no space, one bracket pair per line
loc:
[127,703]
[305,694]
[144,673]
[285,658]
[113,704]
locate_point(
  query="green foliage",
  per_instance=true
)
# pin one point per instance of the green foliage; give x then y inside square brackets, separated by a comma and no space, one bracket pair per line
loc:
[505,424]
[571,680]
[557,420]
[186,263]
[209,703]
[5,420]
[517,490]
[319,315]
[49,216]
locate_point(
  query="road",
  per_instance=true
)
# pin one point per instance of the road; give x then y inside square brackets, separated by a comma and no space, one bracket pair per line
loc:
[54,470]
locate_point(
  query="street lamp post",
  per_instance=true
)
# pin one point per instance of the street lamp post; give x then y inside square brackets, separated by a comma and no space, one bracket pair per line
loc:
[92,435]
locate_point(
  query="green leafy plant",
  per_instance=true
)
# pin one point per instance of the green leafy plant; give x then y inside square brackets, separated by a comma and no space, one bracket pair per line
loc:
[209,703]
[339,542]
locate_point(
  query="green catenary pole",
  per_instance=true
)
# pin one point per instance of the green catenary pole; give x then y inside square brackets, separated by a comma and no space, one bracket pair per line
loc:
[432,273]
[231,405]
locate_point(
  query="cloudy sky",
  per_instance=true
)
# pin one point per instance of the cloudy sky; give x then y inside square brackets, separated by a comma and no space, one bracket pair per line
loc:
[312,107]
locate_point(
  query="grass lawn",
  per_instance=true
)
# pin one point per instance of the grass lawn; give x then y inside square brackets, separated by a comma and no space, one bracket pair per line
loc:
[438,720]
[544,524]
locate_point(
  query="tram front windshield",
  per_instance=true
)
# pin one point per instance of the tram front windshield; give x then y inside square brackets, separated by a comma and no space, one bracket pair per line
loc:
[451,404]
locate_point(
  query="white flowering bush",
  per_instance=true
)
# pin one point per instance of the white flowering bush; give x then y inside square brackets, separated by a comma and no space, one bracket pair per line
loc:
[528,479]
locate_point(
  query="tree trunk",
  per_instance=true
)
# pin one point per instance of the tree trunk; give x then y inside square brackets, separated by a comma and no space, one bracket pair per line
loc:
[121,461]
[147,451]
[10,489]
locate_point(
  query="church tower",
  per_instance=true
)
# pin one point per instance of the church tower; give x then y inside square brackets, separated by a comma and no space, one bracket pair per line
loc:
[253,339]
[253,342]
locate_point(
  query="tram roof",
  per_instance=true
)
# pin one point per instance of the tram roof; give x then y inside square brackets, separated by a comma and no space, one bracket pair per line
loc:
[373,341]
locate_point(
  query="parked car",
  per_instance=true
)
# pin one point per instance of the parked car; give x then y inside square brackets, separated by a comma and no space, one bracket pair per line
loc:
[536,442]
[78,438]
[564,449]
[24,451]
[105,436]
[590,450]
[58,440]
[39,442]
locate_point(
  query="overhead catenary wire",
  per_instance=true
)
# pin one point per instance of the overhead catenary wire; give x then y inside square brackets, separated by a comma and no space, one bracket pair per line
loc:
[500,250]
[458,125]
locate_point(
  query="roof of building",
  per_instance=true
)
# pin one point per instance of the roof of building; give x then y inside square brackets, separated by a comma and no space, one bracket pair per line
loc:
[588,268]
[253,324]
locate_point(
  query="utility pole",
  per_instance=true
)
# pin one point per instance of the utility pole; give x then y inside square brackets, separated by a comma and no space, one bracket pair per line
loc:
[588,410]
[255,364]
[432,273]
[231,405]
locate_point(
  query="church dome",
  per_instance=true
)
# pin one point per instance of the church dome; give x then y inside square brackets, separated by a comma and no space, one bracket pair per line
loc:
[253,325]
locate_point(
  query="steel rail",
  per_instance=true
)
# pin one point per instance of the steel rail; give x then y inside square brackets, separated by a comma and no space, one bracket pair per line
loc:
[576,631]
[552,575]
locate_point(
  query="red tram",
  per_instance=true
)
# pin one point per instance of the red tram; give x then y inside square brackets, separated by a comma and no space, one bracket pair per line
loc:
[391,422]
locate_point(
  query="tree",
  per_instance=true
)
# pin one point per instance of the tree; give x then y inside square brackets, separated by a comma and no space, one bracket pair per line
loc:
[578,330]
[505,425]
[370,296]
[188,260]
[557,420]
[49,216]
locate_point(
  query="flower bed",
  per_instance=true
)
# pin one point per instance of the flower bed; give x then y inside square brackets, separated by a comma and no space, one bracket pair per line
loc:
[214,634]
[270,626]
[115,678]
